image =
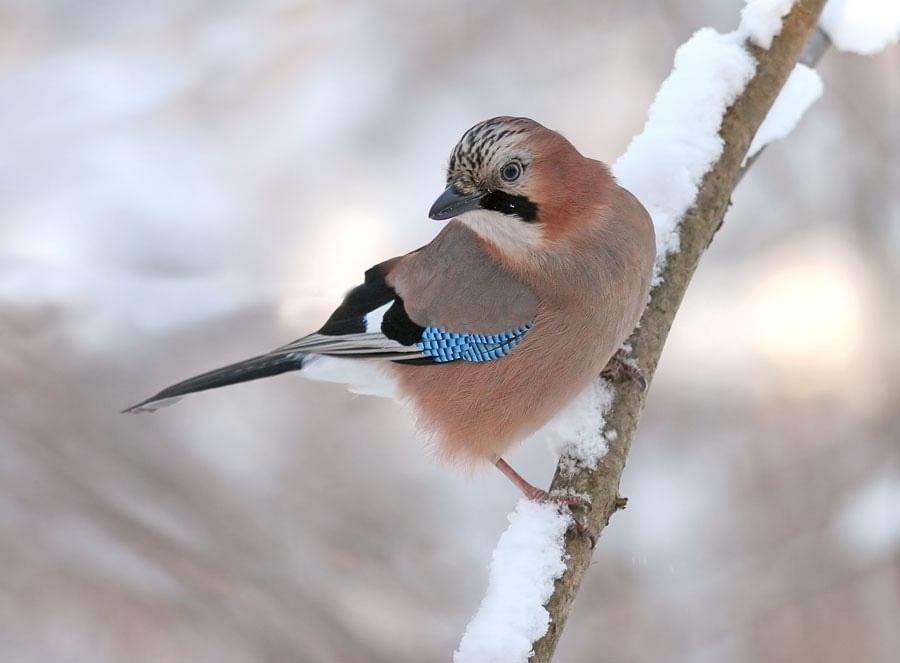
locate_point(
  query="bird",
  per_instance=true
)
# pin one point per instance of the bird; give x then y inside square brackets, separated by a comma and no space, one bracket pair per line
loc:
[520,301]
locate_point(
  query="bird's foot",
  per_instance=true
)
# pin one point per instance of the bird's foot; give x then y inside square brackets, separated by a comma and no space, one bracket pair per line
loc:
[536,494]
[622,367]
[576,503]
[581,528]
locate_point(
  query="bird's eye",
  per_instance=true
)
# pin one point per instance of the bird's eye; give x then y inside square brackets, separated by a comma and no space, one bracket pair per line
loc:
[511,171]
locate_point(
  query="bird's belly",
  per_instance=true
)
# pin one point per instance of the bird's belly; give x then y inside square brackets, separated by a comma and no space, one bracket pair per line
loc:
[362,376]
[476,411]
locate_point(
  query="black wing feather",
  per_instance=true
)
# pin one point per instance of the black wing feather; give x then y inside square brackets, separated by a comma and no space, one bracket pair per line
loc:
[263,366]
[350,316]
[374,292]
[344,334]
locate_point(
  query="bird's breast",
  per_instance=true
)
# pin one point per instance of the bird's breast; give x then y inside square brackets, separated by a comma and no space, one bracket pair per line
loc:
[476,411]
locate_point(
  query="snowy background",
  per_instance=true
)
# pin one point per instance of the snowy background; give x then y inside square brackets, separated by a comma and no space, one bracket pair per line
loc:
[186,183]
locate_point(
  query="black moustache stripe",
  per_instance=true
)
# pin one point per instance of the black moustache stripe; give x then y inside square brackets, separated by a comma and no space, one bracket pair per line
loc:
[507,203]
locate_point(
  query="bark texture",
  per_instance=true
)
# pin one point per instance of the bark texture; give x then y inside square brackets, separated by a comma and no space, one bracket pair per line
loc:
[696,231]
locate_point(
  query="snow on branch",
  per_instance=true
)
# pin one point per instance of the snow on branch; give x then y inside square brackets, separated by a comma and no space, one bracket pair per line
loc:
[526,562]
[801,89]
[862,26]
[665,164]
[683,167]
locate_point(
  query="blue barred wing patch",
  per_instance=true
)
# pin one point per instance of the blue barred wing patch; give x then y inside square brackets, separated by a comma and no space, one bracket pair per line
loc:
[452,346]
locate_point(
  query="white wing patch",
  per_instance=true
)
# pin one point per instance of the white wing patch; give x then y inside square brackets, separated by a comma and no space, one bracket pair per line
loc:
[373,318]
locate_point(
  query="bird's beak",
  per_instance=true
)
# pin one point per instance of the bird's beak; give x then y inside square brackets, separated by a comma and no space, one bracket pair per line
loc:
[453,203]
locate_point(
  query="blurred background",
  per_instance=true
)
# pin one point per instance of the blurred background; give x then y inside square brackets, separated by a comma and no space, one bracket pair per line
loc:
[184,183]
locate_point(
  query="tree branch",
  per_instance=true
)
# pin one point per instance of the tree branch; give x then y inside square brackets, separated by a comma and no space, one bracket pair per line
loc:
[696,231]
[812,53]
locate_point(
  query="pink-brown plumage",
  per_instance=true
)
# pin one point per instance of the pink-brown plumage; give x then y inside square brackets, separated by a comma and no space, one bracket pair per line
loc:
[542,242]
[591,277]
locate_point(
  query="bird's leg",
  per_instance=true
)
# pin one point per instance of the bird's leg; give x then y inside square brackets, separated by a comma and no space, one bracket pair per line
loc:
[539,495]
[621,367]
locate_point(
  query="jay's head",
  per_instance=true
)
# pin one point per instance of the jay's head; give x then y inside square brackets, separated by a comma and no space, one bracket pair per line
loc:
[517,184]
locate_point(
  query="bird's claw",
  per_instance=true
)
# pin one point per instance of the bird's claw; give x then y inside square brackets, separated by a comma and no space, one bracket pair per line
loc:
[581,528]
[621,367]
[578,524]
[579,501]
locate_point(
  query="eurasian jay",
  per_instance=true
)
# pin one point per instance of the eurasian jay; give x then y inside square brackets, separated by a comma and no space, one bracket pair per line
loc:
[518,303]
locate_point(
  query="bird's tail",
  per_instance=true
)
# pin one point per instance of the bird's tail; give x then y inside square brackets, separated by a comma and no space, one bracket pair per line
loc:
[243,371]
